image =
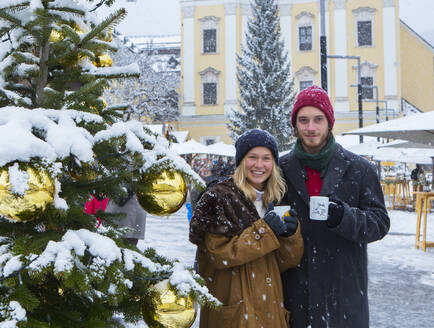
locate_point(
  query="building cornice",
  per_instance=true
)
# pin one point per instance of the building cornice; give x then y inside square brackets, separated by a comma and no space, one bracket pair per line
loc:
[388,3]
[305,14]
[340,4]
[209,70]
[231,9]
[188,11]
[209,18]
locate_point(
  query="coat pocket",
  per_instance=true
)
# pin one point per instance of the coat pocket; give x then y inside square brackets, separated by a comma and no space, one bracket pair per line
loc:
[231,316]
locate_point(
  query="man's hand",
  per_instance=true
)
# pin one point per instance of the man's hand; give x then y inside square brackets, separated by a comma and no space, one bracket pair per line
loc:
[336,212]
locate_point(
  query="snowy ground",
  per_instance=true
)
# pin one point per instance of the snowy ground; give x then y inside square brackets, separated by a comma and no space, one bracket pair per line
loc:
[401,277]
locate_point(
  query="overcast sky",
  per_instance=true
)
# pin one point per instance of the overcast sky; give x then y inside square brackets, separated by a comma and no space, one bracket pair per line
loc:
[162,17]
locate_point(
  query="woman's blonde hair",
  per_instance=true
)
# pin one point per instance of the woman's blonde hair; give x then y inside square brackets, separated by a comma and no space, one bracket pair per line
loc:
[274,187]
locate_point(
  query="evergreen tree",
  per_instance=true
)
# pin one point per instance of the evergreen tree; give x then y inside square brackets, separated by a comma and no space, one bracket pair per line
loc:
[58,138]
[263,72]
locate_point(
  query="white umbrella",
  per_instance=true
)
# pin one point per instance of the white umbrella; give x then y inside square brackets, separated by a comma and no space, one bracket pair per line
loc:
[190,147]
[403,155]
[418,128]
[221,148]
[406,144]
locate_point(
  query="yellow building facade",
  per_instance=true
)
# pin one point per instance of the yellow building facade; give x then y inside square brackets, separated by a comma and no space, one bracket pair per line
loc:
[394,60]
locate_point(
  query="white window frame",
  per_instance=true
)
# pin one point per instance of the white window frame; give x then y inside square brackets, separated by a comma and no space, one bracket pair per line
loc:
[209,75]
[305,74]
[209,23]
[305,19]
[363,14]
[304,81]
[368,69]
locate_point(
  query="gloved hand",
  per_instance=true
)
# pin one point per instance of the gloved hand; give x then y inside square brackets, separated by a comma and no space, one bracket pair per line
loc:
[291,223]
[274,221]
[336,212]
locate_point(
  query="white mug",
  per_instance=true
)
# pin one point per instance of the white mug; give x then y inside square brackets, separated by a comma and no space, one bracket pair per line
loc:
[280,210]
[319,208]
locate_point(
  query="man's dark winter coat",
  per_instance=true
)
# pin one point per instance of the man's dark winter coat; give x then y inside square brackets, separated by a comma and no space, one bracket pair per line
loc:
[329,287]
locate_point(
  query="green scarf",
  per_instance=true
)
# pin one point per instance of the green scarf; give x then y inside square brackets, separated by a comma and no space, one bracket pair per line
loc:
[318,161]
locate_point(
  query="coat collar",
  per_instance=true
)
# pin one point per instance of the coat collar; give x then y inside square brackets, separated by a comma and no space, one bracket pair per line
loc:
[297,177]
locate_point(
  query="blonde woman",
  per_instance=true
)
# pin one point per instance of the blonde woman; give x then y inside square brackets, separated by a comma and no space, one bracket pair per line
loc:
[242,248]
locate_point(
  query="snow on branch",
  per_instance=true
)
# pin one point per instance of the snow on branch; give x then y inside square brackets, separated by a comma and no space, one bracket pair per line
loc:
[62,136]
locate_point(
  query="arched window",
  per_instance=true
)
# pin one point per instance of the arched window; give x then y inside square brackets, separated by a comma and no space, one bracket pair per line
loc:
[305,31]
[364,18]
[209,32]
[305,76]
[209,83]
[367,79]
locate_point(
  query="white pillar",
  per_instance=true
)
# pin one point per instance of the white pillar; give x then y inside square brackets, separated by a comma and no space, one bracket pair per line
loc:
[246,12]
[341,72]
[390,56]
[188,106]
[286,28]
[230,58]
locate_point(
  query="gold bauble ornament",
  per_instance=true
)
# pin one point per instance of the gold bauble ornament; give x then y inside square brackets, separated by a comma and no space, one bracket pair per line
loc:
[108,36]
[82,171]
[173,311]
[30,205]
[56,36]
[95,109]
[103,60]
[164,195]
[103,101]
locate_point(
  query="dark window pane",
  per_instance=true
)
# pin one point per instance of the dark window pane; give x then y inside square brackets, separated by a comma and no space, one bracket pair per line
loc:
[364,33]
[367,93]
[209,40]
[210,93]
[305,84]
[305,37]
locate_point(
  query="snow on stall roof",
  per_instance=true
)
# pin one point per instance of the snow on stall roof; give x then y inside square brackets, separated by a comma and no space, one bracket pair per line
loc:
[414,122]
[181,136]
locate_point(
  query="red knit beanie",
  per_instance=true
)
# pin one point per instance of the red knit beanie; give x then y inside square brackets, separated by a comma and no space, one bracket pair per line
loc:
[316,97]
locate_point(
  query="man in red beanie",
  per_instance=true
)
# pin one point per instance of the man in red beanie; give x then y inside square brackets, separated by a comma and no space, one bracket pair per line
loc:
[329,287]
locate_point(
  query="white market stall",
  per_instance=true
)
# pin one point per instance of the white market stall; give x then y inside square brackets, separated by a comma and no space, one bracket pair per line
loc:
[417,128]
[222,149]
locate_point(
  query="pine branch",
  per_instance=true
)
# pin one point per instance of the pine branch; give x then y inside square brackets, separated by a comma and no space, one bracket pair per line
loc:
[112,20]
[10,18]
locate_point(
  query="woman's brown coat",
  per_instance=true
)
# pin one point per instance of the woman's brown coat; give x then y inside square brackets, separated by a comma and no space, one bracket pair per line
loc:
[242,271]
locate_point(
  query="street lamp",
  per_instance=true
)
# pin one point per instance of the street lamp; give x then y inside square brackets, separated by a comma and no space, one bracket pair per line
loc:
[359,88]
[323,47]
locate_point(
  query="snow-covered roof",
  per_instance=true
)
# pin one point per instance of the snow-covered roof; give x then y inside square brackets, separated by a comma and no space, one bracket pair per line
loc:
[417,128]
[181,136]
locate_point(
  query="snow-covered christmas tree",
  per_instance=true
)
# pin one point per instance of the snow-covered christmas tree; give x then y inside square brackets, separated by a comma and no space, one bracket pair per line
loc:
[263,72]
[60,143]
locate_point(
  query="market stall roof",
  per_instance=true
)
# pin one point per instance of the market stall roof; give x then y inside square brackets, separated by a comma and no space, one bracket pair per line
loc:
[221,148]
[403,155]
[190,147]
[418,128]
[405,144]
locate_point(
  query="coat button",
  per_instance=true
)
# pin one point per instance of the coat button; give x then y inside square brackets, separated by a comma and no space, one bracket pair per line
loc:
[268,280]
[261,230]
[257,237]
